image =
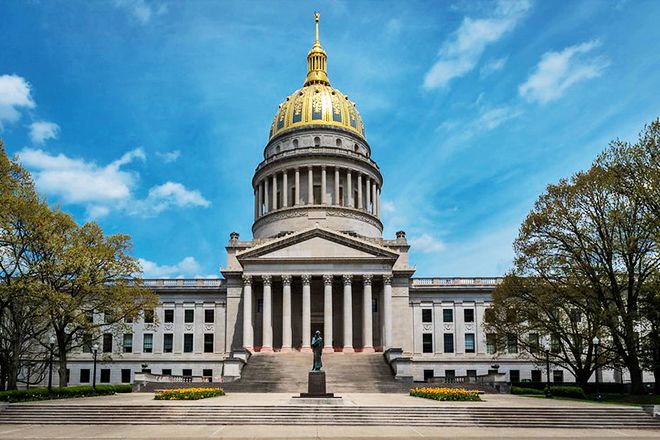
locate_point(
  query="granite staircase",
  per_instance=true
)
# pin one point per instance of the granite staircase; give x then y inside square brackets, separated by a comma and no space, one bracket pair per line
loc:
[345,373]
[459,416]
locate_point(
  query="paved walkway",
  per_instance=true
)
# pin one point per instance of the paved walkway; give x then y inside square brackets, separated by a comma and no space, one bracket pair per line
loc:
[353,399]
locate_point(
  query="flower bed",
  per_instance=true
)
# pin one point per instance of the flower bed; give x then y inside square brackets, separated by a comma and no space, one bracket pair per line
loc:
[188,393]
[436,393]
[61,393]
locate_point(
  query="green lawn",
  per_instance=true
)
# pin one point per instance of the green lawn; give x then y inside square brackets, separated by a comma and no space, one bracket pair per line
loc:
[616,399]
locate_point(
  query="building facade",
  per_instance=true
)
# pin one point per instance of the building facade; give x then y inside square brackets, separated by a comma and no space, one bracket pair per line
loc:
[317,261]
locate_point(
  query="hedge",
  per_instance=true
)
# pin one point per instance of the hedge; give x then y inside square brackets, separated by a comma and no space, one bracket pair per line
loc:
[436,393]
[568,391]
[523,390]
[188,393]
[61,393]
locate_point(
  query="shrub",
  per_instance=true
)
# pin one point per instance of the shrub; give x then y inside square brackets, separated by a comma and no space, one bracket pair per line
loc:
[188,393]
[445,393]
[568,391]
[62,393]
[522,390]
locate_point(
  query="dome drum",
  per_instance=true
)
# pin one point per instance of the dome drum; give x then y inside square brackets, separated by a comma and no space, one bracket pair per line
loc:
[317,136]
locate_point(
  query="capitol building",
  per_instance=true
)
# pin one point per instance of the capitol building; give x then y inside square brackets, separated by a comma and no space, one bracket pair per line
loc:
[317,260]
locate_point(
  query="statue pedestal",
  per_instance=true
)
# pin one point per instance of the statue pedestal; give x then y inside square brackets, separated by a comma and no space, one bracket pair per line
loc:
[316,386]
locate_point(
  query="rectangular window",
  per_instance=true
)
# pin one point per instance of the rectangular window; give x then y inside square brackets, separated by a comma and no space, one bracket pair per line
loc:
[125,375]
[187,372]
[491,343]
[427,315]
[188,343]
[472,374]
[536,375]
[427,343]
[554,344]
[189,315]
[533,342]
[107,342]
[148,343]
[468,315]
[169,315]
[207,372]
[167,372]
[469,342]
[341,196]
[428,375]
[447,315]
[105,375]
[84,375]
[317,194]
[511,343]
[208,342]
[514,376]
[149,316]
[209,316]
[449,342]
[127,343]
[558,375]
[168,342]
[450,374]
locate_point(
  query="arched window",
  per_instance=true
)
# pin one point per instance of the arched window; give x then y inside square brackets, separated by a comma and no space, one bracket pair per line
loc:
[317,141]
[338,142]
[357,149]
[277,149]
[295,143]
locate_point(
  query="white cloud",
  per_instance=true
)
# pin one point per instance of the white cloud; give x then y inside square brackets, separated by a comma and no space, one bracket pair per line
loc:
[493,66]
[388,207]
[188,267]
[460,54]
[494,117]
[15,93]
[557,71]
[427,244]
[162,197]
[169,156]
[142,10]
[41,131]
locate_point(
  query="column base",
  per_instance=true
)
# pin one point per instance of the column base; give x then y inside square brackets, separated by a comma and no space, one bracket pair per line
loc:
[266,349]
[328,349]
[348,350]
[285,350]
[368,350]
[306,349]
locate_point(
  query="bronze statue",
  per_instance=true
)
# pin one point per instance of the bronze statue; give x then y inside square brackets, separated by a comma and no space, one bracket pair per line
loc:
[317,347]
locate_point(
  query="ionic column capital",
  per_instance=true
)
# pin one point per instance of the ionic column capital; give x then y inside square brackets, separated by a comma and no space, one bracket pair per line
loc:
[387,279]
[306,279]
[327,279]
[266,279]
[247,280]
[367,279]
[348,279]
[286,280]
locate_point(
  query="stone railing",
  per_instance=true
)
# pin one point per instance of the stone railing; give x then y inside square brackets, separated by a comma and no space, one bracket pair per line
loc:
[178,283]
[316,150]
[454,282]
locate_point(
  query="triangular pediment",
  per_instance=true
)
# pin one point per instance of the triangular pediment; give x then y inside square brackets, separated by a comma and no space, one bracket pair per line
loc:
[317,244]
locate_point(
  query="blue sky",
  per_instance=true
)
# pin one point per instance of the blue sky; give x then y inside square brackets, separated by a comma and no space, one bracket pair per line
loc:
[150,117]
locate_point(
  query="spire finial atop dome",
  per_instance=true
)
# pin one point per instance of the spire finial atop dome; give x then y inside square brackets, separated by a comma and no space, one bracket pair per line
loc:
[317,60]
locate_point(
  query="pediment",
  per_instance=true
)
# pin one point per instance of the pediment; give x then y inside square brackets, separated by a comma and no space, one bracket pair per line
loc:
[317,244]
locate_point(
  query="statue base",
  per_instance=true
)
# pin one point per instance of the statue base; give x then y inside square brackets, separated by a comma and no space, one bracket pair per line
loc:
[316,387]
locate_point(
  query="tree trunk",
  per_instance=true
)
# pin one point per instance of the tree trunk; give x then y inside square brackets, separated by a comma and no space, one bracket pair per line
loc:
[582,378]
[636,380]
[62,367]
[13,370]
[656,376]
[2,377]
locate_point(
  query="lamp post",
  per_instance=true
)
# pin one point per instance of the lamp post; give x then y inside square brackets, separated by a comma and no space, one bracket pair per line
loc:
[95,350]
[51,344]
[548,393]
[596,343]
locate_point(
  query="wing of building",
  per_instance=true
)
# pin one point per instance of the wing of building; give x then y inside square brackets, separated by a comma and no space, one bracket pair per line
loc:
[317,261]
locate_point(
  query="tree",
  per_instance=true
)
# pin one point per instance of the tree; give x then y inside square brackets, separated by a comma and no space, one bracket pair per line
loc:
[528,310]
[593,234]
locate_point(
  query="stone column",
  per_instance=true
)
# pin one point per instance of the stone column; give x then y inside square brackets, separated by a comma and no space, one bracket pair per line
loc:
[286,313]
[306,314]
[349,189]
[387,311]
[274,191]
[267,335]
[367,326]
[378,202]
[285,188]
[359,184]
[310,186]
[247,313]
[327,314]
[266,191]
[374,199]
[297,192]
[337,201]
[348,314]
[256,203]
[261,199]
[368,190]
[324,195]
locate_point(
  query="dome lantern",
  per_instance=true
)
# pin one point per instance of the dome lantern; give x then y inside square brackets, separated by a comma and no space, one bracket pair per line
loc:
[317,60]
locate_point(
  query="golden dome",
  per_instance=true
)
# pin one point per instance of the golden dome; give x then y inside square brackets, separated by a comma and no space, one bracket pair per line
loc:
[317,103]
